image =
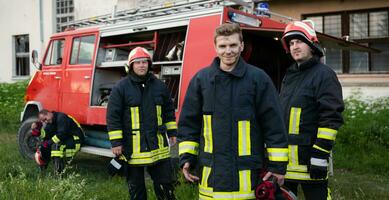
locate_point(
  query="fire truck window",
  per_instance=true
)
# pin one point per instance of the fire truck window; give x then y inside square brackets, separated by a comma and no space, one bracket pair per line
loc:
[82,50]
[55,53]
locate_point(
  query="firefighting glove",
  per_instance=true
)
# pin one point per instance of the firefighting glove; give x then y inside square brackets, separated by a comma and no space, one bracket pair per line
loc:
[318,164]
[117,166]
[37,130]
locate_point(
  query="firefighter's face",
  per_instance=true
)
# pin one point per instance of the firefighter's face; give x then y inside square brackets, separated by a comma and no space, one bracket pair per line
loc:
[300,50]
[46,118]
[140,67]
[228,49]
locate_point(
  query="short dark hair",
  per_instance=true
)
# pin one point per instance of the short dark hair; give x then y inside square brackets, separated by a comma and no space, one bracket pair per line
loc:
[43,112]
[227,30]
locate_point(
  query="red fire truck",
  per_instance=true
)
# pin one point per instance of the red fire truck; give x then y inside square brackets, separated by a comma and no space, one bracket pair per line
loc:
[80,66]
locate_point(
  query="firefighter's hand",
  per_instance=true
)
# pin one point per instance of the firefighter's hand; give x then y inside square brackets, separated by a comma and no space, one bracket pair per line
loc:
[117,151]
[188,176]
[172,141]
[36,125]
[280,178]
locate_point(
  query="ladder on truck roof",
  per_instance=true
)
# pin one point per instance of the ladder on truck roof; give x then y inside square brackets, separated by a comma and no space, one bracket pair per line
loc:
[147,12]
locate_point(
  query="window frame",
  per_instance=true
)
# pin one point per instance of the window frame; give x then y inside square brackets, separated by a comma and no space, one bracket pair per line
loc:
[24,54]
[345,31]
[78,49]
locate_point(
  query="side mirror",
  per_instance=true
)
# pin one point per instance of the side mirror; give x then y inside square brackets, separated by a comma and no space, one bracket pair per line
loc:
[35,62]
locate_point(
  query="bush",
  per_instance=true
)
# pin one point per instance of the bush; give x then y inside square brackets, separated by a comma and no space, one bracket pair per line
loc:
[363,140]
[11,104]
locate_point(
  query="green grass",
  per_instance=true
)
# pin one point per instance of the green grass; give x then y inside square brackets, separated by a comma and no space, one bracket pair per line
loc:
[360,159]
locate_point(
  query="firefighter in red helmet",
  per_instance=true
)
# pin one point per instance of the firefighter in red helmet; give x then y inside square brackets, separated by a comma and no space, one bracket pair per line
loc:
[311,98]
[141,127]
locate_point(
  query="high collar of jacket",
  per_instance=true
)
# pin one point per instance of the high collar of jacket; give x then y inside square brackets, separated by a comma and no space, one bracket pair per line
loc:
[305,65]
[141,79]
[55,115]
[238,71]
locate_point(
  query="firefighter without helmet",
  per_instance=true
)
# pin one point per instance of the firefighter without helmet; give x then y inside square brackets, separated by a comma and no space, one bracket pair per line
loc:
[304,31]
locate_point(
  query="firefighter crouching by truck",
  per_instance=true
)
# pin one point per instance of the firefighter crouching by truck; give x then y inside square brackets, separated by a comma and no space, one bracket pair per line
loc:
[141,126]
[311,98]
[62,137]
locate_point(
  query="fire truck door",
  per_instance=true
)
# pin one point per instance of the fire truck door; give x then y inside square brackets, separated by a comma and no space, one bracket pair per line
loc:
[77,76]
[52,71]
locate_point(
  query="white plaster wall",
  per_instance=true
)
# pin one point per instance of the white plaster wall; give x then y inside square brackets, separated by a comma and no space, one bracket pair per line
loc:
[91,8]
[19,17]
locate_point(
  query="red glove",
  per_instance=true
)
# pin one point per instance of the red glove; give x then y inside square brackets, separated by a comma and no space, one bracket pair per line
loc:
[266,190]
[37,130]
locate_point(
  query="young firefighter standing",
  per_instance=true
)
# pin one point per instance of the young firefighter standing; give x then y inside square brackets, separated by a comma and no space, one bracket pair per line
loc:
[231,111]
[139,115]
[311,98]
[62,138]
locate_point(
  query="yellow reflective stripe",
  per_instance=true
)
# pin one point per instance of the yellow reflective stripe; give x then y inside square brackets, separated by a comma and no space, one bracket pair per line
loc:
[135,142]
[171,125]
[150,154]
[294,120]
[205,176]
[244,142]
[319,148]
[208,143]
[293,155]
[297,176]
[207,193]
[75,121]
[327,133]
[43,133]
[297,168]
[245,180]
[55,139]
[160,140]
[77,141]
[135,118]
[188,147]
[149,157]
[159,114]
[278,154]
[329,194]
[70,152]
[114,135]
[300,176]
[56,154]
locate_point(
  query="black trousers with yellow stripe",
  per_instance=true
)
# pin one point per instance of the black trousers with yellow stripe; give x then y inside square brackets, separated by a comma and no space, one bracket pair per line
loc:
[65,150]
[311,190]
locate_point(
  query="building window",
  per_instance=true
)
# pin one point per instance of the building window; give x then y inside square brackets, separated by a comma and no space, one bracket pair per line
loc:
[367,27]
[82,50]
[65,13]
[22,58]
[54,54]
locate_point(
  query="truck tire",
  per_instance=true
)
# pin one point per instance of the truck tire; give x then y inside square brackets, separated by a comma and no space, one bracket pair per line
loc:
[26,142]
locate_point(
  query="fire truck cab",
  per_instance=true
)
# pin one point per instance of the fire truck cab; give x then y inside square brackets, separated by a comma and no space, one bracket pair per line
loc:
[79,67]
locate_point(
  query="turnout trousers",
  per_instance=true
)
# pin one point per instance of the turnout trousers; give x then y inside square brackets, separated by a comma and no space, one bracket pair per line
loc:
[311,190]
[162,175]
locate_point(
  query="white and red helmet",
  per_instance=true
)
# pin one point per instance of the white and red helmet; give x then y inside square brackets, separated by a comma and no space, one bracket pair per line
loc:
[138,54]
[304,31]
[38,158]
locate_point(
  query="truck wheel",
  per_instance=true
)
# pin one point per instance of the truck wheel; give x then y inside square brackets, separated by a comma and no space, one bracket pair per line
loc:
[26,142]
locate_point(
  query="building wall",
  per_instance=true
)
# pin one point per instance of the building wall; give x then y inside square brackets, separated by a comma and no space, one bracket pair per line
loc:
[85,9]
[301,7]
[20,17]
